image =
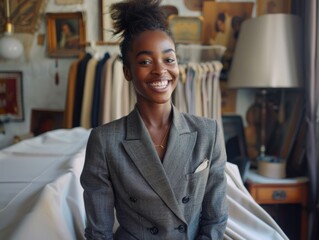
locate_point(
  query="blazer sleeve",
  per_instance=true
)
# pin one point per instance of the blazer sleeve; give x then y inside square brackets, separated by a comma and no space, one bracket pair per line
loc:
[214,207]
[98,191]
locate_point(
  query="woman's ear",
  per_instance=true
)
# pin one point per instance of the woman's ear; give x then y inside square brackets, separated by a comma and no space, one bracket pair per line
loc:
[127,73]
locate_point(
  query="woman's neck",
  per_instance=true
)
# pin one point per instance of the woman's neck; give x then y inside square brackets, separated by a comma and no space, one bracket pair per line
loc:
[155,115]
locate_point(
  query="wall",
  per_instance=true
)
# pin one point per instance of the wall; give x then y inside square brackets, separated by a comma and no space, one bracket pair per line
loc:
[39,89]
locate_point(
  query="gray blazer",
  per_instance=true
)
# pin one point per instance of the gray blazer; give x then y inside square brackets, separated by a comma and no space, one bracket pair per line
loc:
[155,200]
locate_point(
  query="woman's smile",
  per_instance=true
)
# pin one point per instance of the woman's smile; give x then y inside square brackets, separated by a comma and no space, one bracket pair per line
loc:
[159,85]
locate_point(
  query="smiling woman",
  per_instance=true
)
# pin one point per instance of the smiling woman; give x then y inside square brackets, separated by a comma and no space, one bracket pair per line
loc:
[177,160]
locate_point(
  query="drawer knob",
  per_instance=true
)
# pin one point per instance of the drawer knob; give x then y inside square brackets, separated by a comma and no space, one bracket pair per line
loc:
[279,195]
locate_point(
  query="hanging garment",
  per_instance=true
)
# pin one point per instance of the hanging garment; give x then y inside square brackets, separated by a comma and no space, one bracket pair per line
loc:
[79,88]
[88,93]
[97,91]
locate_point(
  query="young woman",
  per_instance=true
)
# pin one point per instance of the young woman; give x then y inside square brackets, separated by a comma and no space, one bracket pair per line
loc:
[162,170]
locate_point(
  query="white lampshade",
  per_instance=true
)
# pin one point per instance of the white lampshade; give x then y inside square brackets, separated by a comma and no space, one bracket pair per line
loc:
[10,47]
[268,53]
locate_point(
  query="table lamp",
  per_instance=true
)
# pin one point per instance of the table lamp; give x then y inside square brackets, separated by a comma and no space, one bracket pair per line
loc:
[267,55]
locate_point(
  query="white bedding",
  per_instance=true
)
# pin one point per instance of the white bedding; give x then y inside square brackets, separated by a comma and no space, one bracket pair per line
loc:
[41,196]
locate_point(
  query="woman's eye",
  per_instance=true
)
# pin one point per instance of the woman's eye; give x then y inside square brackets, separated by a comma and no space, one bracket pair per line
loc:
[170,60]
[145,62]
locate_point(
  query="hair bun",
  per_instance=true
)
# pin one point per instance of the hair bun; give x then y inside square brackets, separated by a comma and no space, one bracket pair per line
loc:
[134,16]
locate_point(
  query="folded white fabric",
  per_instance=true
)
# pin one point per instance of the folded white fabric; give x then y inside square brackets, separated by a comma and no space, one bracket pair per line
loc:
[247,220]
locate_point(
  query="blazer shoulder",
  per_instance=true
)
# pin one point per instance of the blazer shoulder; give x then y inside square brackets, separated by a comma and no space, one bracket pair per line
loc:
[199,123]
[112,127]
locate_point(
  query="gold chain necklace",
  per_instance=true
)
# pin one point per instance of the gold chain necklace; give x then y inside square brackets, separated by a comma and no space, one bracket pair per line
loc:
[164,138]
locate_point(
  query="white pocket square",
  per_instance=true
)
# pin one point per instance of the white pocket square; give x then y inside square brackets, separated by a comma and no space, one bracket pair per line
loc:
[202,166]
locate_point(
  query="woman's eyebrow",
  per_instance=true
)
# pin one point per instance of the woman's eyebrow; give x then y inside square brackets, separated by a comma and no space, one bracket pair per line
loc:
[168,50]
[146,52]
[143,52]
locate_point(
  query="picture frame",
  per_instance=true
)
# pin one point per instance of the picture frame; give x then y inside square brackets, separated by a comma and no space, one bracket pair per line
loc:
[25,15]
[106,24]
[67,2]
[273,6]
[169,10]
[222,21]
[44,120]
[194,5]
[294,110]
[65,34]
[186,30]
[296,162]
[235,142]
[11,96]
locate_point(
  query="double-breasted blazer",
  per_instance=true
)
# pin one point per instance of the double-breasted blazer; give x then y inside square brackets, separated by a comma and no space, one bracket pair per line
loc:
[181,197]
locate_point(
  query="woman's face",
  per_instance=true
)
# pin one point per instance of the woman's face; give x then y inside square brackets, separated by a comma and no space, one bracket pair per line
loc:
[221,25]
[66,28]
[152,67]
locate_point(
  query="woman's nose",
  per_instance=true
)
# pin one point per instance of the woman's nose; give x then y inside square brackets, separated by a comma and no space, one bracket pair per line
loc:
[159,68]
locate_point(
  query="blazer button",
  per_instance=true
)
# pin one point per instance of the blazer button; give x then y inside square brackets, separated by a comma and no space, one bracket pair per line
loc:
[185,199]
[154,230]
[181,228]
[133,199]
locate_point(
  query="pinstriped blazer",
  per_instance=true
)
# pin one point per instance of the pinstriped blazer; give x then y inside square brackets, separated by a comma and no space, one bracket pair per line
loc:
[154,199]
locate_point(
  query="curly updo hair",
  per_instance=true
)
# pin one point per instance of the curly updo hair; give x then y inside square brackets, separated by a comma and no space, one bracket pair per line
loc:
[132,17]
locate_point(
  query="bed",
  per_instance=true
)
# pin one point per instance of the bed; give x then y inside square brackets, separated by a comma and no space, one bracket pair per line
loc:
[41,196]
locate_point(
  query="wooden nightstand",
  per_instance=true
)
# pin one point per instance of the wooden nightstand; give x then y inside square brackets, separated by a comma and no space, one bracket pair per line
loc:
[281,191]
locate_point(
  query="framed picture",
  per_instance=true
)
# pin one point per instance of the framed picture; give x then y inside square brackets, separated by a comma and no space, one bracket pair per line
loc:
[235,142]
[43,120]
[294,113]
[106,25]
[169,10]
[194,5]
[11,100]
[273,6]
[65,2]
[25,15]
[66,34]
[222,21]
[186,29]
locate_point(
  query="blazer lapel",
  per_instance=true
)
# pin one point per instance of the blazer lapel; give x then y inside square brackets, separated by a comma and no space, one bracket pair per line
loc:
[139,147]
[180,147]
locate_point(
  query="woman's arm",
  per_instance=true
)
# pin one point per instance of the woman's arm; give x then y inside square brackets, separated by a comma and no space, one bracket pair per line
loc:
[214,207]
[98,191]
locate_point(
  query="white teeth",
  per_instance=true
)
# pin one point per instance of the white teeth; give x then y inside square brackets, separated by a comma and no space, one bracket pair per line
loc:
[159,84]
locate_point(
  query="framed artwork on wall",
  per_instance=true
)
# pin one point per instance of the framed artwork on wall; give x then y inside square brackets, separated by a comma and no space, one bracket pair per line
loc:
[25,15]
[11,98]
[273,6]
[65,34]
[65,2]
[194,5]
[222,21]
[106,25]
[43,120]
[186,29]
[169,10]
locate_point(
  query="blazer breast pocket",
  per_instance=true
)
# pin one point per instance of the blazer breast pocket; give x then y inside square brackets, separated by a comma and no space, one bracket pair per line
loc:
[197,181]
[201,170]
